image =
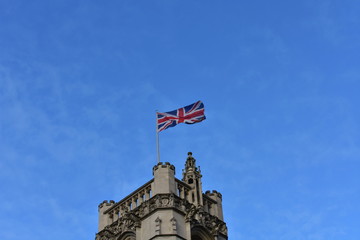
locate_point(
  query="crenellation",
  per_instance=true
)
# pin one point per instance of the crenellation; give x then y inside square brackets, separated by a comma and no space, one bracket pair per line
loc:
[164,178]
[216,206]
[165,208]
[164,165]
[106,203]
[105,219]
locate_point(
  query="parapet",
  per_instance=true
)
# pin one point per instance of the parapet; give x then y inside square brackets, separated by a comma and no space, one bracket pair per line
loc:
[164,165]
[216,210]
[106,203]
[213,194]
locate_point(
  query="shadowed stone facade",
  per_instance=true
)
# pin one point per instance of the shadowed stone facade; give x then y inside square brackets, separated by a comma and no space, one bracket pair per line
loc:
[165,208]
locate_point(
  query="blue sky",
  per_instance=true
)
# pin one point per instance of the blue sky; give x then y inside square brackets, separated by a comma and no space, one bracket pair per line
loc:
[80,82]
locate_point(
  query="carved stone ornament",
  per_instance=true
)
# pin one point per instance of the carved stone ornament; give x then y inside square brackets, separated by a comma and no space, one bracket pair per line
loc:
[131,219]
[190,213]
[173,224]
[164,201]
[212,223]
[104,235]
[158,226]
[127,223]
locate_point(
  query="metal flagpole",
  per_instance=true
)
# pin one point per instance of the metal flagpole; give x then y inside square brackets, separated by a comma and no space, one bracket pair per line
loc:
[157,140]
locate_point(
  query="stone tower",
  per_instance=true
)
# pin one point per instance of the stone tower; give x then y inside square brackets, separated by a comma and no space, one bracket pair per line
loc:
[165,208]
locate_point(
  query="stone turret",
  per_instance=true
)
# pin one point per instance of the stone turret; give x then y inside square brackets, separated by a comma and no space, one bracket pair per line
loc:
[192,176]
[104,219]
[216,210]
[164,178]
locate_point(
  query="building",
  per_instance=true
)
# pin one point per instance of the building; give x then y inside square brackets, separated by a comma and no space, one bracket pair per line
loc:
[165,208]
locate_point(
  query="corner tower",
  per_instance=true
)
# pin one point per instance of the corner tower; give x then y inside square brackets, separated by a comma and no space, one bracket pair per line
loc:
[165,208]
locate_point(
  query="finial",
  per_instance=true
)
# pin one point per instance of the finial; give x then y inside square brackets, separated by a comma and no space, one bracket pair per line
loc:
[190,161]
[190,157]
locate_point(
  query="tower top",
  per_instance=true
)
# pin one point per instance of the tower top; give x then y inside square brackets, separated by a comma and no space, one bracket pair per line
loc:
[190,164]
[165,208]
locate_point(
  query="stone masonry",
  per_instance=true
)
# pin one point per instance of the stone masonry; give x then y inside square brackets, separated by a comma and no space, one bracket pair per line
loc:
[165,208]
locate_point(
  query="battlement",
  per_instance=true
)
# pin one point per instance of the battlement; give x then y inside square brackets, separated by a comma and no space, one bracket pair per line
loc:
[164,178]
[164,165]
[106,203]
[165,208]
[213,193]
[215,209]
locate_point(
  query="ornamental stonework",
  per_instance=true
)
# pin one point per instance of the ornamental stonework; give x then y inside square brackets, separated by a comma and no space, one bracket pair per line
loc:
[165,208]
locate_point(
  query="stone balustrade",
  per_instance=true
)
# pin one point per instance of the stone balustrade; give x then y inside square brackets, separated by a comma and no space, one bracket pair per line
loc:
[130,202]
[183,189]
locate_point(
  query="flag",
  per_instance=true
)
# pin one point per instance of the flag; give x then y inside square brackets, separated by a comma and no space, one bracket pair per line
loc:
[190,114]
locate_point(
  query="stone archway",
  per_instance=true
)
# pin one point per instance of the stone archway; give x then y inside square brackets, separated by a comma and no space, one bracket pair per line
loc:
[200,233]
[127,236]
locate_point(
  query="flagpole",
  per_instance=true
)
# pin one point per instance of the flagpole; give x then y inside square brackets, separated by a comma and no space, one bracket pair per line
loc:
[157,140]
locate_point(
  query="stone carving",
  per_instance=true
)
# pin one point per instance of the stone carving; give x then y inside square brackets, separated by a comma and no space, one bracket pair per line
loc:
[104,235]
[131,219]
[212,223]
[191,212]
[157,226]
[171,200]
[127,223]
[163,201]
[173,224]
[158,201]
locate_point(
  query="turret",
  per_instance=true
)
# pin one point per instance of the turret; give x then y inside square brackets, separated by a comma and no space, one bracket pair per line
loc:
[104,219]
[164,178]
[216,209]
[192,176]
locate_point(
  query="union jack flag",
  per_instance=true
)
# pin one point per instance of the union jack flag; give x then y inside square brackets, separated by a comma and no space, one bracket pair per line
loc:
[190,114]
